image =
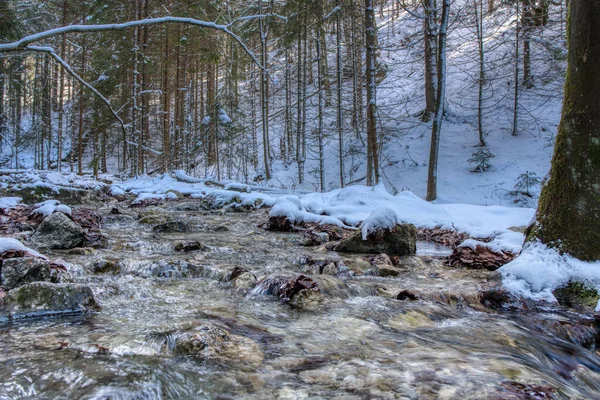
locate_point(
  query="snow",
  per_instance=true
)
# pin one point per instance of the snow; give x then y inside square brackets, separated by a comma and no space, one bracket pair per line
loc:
[224,118]
[7,244]
[50,206]
[539,270]
[240,187]
[6,203]
[380,219]
[116,191]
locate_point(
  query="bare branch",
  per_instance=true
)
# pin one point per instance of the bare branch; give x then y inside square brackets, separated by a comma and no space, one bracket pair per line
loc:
[23,44]
[67,67]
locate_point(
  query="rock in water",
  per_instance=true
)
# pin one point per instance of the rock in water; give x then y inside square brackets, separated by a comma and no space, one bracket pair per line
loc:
[212,342]
[401,240]
[191,245]
[43,298]
[20,271]
[57,231]
[172,227]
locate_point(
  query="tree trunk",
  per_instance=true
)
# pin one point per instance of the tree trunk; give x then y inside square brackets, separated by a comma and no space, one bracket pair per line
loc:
[320,91]
[439,107]
[371,42]
[61,92]
[479,29]
[568,215]
[516,82]
[431,54]
[338,40]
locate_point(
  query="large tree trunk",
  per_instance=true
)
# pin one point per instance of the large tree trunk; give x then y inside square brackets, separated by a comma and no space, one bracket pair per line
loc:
[568,216]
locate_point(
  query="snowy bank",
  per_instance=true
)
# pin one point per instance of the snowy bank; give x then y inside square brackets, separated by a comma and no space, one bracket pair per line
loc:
[539,270]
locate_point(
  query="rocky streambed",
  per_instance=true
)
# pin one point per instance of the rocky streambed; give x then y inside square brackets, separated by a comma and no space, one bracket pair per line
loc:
[187,302]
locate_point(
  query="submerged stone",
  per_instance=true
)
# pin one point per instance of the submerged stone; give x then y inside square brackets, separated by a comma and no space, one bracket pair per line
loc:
[191,245]
[213,342]
[172,227]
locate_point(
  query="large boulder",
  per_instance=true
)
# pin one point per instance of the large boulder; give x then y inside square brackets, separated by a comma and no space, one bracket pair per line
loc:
[401,240]
[22,270]
[57,231]
[44,298]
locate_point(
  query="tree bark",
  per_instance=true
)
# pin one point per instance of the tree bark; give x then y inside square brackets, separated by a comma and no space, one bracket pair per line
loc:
[371,41]
[568,215]
[439,109]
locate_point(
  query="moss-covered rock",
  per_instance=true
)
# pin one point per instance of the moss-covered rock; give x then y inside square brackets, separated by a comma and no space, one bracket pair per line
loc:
[155,219]
[44,298]
[400,241]
[578,296]
[17,272]
[172,227]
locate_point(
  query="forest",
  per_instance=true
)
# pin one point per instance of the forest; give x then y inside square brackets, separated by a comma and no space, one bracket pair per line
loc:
[285,85]
[303,199]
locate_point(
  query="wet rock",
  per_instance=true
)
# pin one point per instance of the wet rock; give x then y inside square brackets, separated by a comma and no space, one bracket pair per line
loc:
[43,298]
[497,297]
[400,241]
[87,219]
[219,228]
[20,271]
[382,291]
[307,299]
[383,266]
[172,227]
[213,342]
[123,246]
[479,257]
[410,262]
[311,238]
[279,224]
[192,245]
[245,281]
[118,219]
[155,219]
[578,296]
[286,288]
[97,240]
[106,267]
[82,251]
[518,390]
[57,231]
[407,295]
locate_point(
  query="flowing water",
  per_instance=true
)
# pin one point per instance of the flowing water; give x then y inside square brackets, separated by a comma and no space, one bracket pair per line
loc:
[357,345]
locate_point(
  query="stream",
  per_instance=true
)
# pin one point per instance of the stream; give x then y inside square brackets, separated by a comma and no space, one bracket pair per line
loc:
[357,345]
